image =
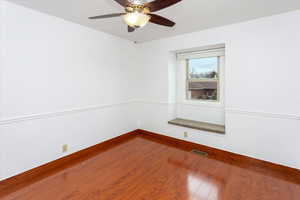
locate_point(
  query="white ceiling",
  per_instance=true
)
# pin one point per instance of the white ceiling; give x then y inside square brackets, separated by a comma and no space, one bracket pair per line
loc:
[190,15]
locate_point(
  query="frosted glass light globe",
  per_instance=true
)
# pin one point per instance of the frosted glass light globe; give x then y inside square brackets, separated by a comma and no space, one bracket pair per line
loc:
[136,19]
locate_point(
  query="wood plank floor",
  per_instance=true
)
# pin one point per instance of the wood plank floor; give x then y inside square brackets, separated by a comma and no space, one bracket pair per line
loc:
[143,169]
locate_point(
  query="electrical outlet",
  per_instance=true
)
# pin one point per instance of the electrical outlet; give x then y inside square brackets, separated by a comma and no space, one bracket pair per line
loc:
[185,134]
[64,148]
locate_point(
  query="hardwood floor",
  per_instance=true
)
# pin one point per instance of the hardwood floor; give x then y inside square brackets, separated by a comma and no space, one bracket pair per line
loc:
[140,168]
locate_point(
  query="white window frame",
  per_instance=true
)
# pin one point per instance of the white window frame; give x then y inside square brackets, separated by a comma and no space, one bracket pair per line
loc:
[182,73]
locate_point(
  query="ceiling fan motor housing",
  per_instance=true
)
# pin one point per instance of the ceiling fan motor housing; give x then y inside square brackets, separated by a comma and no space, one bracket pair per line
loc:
[137,8]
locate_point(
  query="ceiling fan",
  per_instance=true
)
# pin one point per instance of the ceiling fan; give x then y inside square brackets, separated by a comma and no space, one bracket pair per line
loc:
[139,12]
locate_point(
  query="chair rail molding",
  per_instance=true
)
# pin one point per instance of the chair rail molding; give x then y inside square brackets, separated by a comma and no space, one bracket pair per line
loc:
[229,110]
[262,114]
[59,113]
[103,106]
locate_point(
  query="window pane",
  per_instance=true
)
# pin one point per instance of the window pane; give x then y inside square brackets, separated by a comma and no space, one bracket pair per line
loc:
[203,67]
[203,90]
[203,79]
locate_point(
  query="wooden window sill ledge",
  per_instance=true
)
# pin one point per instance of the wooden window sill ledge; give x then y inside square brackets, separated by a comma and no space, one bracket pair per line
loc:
[204,126]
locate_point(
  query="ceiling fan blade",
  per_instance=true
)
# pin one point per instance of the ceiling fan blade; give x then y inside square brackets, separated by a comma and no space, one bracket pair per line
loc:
[130,29]
[123,3]
[107,16]
[156,19]
[160,4]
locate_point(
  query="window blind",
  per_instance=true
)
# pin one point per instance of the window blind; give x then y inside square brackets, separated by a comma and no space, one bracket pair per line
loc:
[214,52]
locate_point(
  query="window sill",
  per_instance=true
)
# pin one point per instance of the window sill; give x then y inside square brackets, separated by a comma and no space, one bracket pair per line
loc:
[202,103]
[204,126]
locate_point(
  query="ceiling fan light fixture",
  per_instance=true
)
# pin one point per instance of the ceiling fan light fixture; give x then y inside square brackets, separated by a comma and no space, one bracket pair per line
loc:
[139,12]
[136,19]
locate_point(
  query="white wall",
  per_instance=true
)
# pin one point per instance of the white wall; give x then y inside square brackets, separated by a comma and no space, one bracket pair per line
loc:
[61,83]
[261,87]
[1,64]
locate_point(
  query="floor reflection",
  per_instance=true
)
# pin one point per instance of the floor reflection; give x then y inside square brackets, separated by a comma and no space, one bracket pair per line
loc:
[201,187]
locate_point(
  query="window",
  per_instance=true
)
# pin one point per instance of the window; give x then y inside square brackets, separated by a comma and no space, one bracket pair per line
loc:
[201,76]
[203,79]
